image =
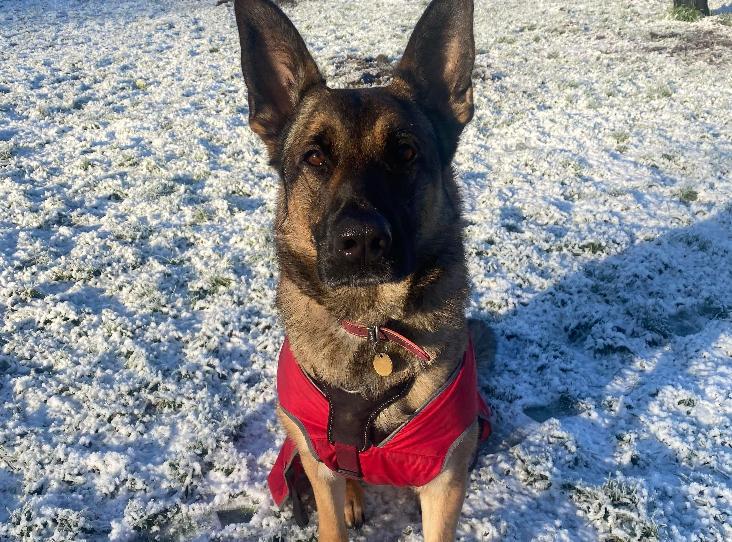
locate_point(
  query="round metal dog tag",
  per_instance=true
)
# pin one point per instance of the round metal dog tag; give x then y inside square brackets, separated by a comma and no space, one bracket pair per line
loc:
[383,364]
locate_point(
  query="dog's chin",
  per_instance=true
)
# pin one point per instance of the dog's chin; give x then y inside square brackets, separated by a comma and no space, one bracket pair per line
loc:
[368,295]
[334,275]
[358,277]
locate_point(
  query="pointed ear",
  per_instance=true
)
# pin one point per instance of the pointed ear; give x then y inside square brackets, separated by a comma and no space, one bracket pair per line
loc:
[277,66]
[438,65]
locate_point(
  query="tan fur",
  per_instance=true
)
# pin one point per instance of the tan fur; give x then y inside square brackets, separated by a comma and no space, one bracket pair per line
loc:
[353,510]
[442,499]
[329,490]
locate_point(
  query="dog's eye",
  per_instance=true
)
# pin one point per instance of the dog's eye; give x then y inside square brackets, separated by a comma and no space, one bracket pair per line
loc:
[406,152]
[315,158]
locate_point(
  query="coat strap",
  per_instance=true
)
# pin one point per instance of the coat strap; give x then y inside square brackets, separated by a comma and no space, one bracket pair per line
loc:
[347,460]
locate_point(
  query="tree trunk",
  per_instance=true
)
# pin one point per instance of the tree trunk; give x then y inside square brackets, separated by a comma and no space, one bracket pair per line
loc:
[701,5]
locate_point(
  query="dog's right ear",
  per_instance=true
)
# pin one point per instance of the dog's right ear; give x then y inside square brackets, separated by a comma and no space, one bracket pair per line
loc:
[277,66]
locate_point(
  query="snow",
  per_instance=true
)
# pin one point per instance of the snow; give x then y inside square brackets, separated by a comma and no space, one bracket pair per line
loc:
[138,334]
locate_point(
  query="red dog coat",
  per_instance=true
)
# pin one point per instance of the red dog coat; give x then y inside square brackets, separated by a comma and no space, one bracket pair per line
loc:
[412,455]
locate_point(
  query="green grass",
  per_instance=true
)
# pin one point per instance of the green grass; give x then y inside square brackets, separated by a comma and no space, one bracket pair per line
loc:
[661,91]
[27,294]
[593,247]
[572,166]
[686,14]
[688,195]
[220,283]
[216,284]
[617,508]
[687,402]
[128,160]
[621,138]
[725,19]
[508,40]
[6,153]
[200,216]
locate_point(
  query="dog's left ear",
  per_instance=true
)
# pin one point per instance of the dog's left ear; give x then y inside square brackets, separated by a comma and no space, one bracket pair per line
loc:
[277,66]
[438,66]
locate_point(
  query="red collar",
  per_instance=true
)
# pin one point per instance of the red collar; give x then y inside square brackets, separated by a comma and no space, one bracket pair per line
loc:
[379,333]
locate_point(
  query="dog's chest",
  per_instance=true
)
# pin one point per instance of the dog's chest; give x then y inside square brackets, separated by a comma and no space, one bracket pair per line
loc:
[359,373]
[359,394]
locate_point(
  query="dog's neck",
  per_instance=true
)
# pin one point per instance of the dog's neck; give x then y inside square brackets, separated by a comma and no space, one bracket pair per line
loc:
[428,309]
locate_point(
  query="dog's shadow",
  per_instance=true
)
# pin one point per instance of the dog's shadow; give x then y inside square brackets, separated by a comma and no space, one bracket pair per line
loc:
[589,357]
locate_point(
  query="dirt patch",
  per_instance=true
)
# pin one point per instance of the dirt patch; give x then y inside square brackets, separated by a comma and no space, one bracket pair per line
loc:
[278,2]
[705,45]
[374,71]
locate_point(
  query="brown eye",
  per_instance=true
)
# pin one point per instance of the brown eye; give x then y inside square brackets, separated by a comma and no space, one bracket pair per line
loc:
[406,152]
[315,158]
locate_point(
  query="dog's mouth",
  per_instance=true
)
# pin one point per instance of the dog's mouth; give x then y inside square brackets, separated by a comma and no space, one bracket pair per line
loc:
[336,272]
[337,275]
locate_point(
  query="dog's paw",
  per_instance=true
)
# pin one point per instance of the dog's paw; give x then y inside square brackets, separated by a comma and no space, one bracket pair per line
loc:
[353,509]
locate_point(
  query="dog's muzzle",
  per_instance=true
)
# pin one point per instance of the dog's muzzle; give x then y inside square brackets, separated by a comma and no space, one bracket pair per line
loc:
[357,249]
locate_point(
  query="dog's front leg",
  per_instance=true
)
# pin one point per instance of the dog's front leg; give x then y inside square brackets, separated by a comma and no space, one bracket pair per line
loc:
[330,497]
[328,488]
[442,498]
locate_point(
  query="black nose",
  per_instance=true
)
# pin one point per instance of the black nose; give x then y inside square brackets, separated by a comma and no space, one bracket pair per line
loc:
[361,237]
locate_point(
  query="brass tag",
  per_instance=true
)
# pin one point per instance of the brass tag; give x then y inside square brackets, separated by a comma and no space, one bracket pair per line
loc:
[383,364]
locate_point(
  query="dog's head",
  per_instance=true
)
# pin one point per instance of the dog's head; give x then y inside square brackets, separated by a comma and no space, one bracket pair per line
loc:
[368,192]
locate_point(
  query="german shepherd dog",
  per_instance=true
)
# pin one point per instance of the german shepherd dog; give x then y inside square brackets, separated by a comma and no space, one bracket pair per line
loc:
[369,229]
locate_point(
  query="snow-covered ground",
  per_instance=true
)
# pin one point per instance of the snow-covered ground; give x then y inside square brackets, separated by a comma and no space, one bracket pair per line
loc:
[137,324]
